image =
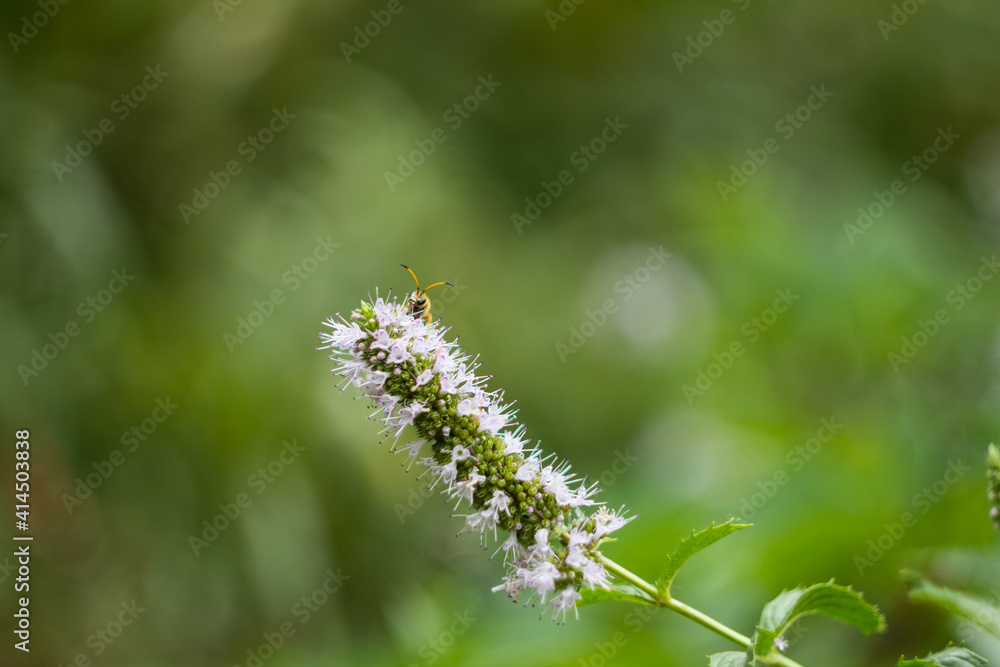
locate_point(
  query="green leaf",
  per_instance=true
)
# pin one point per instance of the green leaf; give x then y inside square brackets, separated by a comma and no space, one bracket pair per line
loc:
[689,546]
[841,603]
[953,656]
[975,609]
[728,659]
[623,593]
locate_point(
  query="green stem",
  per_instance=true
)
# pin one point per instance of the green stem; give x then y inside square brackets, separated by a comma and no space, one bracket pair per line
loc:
[665,600]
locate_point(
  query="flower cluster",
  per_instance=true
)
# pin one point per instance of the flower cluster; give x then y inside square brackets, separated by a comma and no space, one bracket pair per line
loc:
[477,453]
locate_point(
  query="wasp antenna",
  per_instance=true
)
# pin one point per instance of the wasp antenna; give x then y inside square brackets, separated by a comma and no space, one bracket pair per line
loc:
[435,285]
[414,277]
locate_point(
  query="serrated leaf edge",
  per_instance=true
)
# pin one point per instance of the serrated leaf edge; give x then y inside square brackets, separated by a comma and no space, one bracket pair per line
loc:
[663,582]
[881,627]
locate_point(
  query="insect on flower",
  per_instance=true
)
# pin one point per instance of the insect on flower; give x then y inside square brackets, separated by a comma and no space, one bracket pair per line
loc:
[418,305]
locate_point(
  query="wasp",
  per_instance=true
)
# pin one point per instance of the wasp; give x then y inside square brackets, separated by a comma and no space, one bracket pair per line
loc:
[417,302]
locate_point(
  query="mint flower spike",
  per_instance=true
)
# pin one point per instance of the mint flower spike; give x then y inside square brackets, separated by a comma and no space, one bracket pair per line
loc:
[417,378]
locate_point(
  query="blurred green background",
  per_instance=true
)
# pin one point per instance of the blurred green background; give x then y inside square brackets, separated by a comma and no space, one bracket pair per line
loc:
[251,168]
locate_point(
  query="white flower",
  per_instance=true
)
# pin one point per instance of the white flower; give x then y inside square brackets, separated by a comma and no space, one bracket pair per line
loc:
[462,378]
[511,543]
[460,453]
[423,345]
[409,411]
[563,495]
[413,447]
[381,340]
[594,575]
[344,336]
[352,370]
[482,521]
[372,381]
[446,473]
[514,442]
[388,403]
[607,522]
[492,420]
[575,558]
[448,385]
[541,550]
[543,578]
[563,602]
[386,313]
[487,518]
[444,362]
[464,489]
[407,414]
[513,583]
[414,327]
[423,378]
[466,407]
[480,399]
[398,354]
[583,494]
[579,537]
[527,471]
[499,502]
[470,384]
